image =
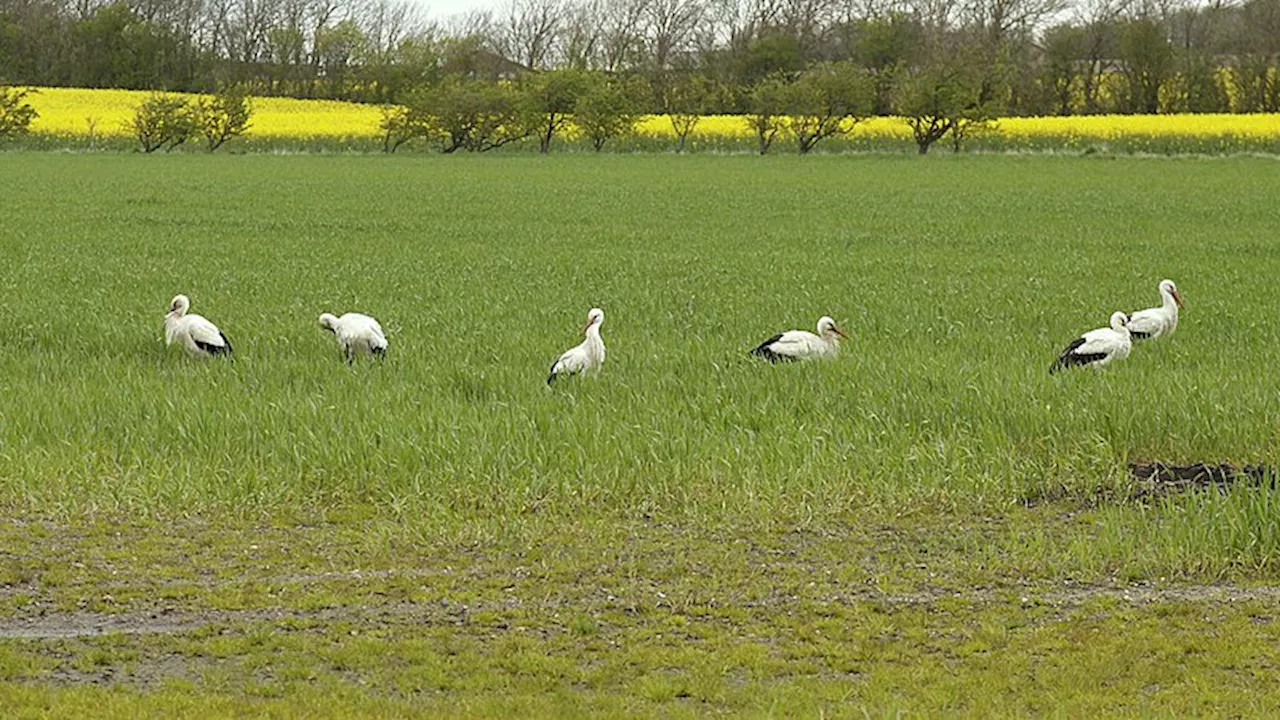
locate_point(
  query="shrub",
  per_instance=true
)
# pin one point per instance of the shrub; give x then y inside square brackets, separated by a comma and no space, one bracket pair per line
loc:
[939,99]
[468,114]
[827,100]
[16,113]
[768,105]
[686,99]
[610,108]
[221,117]
[162,121]
[551,98]
[396,126]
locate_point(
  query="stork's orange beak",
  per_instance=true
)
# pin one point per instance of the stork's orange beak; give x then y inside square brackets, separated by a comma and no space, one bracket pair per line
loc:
[1177,297]
[839,332]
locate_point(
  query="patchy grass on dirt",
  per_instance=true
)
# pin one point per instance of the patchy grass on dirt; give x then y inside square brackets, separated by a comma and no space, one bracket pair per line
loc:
[332,619]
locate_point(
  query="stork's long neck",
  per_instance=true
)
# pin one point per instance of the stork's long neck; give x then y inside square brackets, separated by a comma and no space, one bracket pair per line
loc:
[1168,303]
[595,344]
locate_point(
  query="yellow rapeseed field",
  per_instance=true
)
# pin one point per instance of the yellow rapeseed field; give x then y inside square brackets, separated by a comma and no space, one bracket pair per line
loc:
[735,126]
[1101,127]
[75,112]
[69,111]
[1259,126]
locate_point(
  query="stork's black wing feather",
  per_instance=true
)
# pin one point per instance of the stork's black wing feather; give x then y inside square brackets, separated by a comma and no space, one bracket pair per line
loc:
[223,349]
[551,378]
[1071,358]
[764,351]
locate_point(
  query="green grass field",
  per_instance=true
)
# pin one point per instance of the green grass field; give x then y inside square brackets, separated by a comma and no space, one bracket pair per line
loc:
[928,524]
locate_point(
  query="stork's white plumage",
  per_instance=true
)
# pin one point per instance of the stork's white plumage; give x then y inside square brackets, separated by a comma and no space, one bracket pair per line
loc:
[587,357]
[196,335]
[802,344]
[1163,320]
[1097,348]
[357,334]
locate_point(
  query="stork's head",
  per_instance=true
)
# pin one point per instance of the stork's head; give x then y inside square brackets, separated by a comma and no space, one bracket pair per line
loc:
[1119,321]
[1168,288]
[595,318]
[329,322]
[827,326]
[179,305]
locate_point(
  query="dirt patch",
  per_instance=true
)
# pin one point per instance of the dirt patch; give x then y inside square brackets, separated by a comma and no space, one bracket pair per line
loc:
[68,625]
[1153,480]
[1156,479]
[142,672]
[90,624]
[55,626]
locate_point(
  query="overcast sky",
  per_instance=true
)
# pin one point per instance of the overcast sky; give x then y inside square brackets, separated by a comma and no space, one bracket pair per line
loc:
[442,9]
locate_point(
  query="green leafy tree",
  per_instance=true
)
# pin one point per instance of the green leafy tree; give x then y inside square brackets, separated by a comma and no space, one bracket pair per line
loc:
[552,97]
[770,53]
[116,47]
[1255,72]
[1196,87]
[768,103]
[1147,64]
[16,113]
[470,114]
[827,100]
[162,121]
[416,63]
[338,49]
[390,74]
[1062,45]
[686,99]
[941,98]
[1256,81]
[883,45]
[610,108]
[221,117]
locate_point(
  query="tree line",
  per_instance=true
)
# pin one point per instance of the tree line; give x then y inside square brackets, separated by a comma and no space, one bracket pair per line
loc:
[1022,57]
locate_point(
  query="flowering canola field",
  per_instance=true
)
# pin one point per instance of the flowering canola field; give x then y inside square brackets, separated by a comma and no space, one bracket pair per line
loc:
[68,112]
[1069,132]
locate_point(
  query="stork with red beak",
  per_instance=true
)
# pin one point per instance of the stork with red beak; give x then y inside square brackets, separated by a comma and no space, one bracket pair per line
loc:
[587,357]
[802,344]
[1163,320]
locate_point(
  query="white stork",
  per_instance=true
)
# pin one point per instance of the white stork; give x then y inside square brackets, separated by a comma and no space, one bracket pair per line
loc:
[357,334]
[1097,348]
[197,335]
[1163,320]
[802,344]
[586,357]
